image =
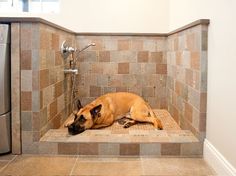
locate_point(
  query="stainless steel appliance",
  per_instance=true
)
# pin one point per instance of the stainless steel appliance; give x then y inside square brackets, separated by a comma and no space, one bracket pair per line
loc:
[5,89]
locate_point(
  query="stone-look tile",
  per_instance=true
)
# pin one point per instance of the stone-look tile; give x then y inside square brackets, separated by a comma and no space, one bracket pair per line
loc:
[148,92]
[35,80]
[109,149]
[195,60]
[26,101]
[130,149]
[202,122]
[153,149]
[123,44]
[44,78]
[137,45]
[26,121]
[25,61]
[143,56]
[161,68]
[53,109]
[176,166]
[15,88]
[170,149]
[188,112]
[104,56]
[107,166]
[59,89]
[123,68]
[88,149]
[25,36]
[68,148]
[157,57]
[55,42]
[204,40]
[50,148]
[26,80]
[203,102]
[192,149]
[95,91]
[40,165]
[178,58]
[121,89]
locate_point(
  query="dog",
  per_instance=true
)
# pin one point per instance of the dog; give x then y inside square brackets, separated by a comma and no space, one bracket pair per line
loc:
[110,107]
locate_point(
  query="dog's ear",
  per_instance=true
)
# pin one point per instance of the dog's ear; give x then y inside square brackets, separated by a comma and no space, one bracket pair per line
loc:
[78,105]
[95,112]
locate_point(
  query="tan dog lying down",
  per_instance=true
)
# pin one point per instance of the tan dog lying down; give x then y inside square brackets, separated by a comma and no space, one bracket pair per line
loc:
[110,107]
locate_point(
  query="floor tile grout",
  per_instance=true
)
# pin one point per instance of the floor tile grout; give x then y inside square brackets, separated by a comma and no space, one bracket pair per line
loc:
[72,169]
[9,162]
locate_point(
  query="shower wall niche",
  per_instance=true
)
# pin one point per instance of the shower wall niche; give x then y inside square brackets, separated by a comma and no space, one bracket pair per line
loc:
[168,70]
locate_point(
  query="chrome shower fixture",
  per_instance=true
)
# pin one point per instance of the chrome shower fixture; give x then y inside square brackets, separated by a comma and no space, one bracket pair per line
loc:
[66,50]
[91,44]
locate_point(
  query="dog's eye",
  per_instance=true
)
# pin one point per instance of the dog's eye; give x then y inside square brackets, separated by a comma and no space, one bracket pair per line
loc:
[82,119]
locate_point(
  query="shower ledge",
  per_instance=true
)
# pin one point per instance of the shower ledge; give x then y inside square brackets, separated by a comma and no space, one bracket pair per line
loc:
[139,133]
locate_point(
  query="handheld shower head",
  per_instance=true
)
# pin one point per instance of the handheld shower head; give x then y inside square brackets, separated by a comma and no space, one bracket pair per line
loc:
[91,44]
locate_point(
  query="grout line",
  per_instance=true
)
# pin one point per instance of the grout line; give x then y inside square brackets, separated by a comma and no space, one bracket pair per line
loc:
[8,163]
[72,169]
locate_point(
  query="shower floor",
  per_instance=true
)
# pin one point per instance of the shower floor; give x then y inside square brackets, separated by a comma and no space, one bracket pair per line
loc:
[141,133]
[138,140]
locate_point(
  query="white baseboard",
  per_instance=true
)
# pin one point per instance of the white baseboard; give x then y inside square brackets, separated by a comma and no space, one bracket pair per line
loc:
[217,161]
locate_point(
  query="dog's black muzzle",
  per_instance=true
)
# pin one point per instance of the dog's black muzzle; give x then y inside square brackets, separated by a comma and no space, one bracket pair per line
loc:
[73,129]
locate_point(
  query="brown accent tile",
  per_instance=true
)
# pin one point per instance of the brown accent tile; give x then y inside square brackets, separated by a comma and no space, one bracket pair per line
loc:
[203,102]
[104,56]
[121,89]
[123,45]
[191,41]
[178,88]
[25,60]
[55,42]
[129,149]
[58,58]
[59,88]
[45,39]
[44,78]
[97,68]
[36,121]
[88,149]
[170,149]
[161,68]
[26,101]
[143,56]
[67,148]
[95,91]
[157,57]
[195,60]
[123,68]
[202,122]
[53,109]
[175,114]
[188,112]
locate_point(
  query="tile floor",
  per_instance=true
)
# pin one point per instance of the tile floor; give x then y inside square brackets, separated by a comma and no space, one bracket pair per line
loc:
[33,165]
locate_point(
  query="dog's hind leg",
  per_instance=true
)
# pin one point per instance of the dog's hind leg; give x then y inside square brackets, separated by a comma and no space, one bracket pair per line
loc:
[145,115]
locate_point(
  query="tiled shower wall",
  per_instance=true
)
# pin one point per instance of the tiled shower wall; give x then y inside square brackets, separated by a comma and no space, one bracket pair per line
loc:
[167,71]
[187,78]
[123,63]
[45,90]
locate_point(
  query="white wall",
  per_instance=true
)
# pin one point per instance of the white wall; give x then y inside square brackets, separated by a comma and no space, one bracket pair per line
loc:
[141,16]
[221,106]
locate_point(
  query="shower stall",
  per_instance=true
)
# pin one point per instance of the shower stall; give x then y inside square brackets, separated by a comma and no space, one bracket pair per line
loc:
[5,108]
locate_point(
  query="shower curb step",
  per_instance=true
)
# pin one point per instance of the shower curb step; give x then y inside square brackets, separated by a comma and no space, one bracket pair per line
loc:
[137,143]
